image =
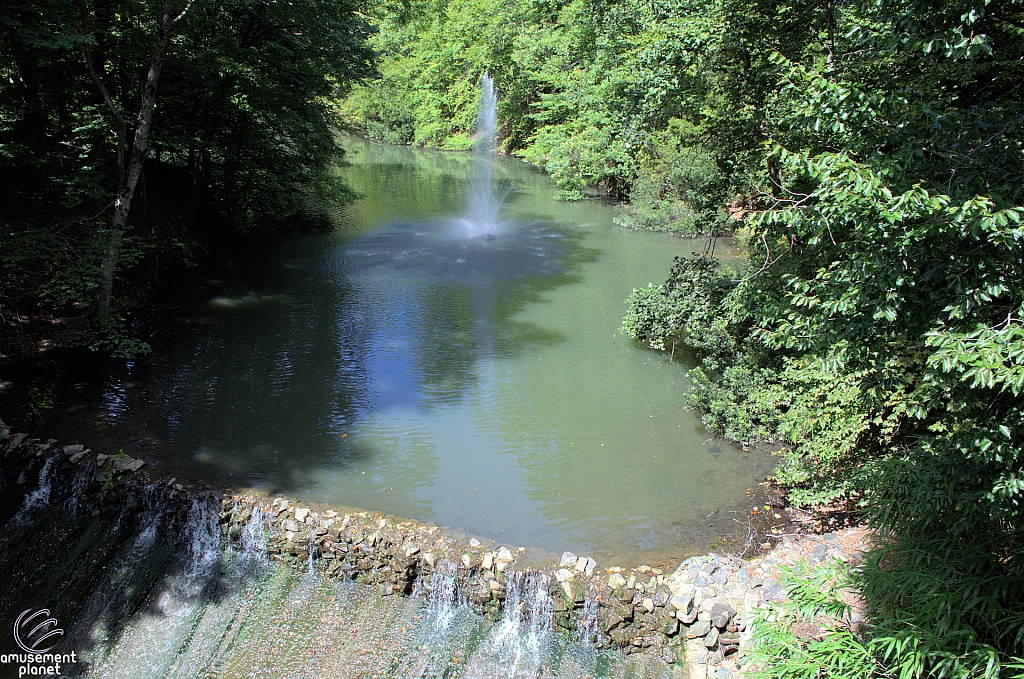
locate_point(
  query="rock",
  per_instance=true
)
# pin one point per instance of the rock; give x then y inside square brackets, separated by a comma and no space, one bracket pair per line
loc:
[581,564]
[101,459]
[474,542]
[504,555]
[301,514]
[682,601]
[699,629]
[290,525]
[696,653]
[411,550]
[563,575]
[711,638]
[72,449]
[622,636]
[591,565]
[704,616]
[721,614]
[615,581]
[669,626]
[121,462]
[330,514]
[77,457]
[429,558]
[568,560]
[648,604]
[466,560]
[487,562]
[135,465]
[623,595]
[16,442]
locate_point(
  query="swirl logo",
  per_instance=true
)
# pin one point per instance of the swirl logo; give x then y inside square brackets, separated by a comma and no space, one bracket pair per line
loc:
[31,640]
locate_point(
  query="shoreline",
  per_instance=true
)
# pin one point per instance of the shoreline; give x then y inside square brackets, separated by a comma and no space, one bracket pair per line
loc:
[694,616]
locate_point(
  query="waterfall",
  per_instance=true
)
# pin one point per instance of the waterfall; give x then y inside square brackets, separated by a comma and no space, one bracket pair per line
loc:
[252,543]
[484,203]
[522,642]
[38,498]
[444,602]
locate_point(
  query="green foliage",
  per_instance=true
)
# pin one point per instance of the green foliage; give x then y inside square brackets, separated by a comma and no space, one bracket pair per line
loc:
[879,330]
[813,603]
[242,138]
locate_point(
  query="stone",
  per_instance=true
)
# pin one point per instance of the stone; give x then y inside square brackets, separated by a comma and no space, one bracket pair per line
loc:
[591,565]
[687,617]
[711,638]
[474,542]
[504,555]
[72,449]
[16,442]
[669,626]
[567,588]
[648,604]
[696,653]
[466,560]
[78,457]
[721,614]
[581,564]
[135,466]
[698,629]
[704,616]
[330,514]
[682,602]
[411,550]
[616,581]
[622,636]
[121,462]
[568,560]
[487,562]
[723,673]
[301,514]
[290,525]
[563,575]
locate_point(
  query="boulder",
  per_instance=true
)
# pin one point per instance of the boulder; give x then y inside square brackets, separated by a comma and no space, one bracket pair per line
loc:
[301,514]
[698,629]
[568,560]
[721,614]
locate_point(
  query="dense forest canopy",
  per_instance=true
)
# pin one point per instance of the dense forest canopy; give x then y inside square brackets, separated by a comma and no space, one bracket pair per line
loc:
[871,153]
[221,110]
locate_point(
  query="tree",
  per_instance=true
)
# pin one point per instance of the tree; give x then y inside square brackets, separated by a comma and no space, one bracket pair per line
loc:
[130,159]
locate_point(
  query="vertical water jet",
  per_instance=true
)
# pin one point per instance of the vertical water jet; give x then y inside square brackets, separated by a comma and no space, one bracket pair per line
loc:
[484,203]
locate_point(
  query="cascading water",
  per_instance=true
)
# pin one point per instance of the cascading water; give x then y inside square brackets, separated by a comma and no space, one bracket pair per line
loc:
[484,202]
[522,643]
[38,498]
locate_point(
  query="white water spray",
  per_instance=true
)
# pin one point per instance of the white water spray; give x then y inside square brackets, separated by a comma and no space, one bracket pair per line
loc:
[484,203]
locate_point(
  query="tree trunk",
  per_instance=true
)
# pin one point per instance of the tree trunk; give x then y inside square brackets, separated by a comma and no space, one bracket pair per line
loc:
[140,147]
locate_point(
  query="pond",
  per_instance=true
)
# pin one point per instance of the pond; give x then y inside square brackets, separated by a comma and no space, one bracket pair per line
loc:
[411,363]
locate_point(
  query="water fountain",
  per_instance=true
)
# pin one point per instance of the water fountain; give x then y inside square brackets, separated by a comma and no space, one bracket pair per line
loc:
[484,203]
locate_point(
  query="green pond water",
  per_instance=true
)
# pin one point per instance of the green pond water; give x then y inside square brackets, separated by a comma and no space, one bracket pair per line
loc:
[414,363]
